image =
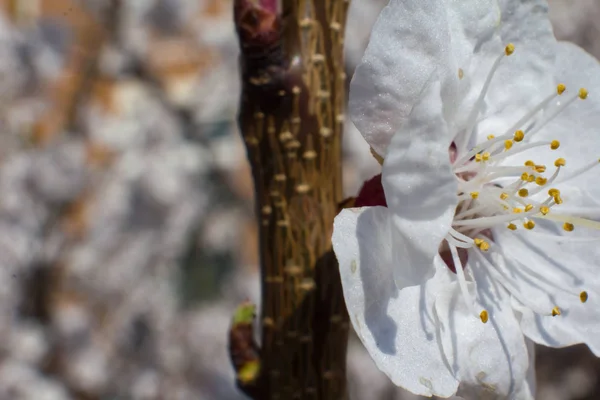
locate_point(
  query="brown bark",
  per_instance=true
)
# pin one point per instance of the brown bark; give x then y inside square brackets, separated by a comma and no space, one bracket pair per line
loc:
[291,118]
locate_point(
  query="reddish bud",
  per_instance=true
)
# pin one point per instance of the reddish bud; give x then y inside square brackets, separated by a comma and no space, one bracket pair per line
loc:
[371,194]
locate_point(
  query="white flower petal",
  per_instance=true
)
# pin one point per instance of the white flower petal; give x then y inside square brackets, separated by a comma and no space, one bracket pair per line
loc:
[473,26]
[395,326]
[524,78]
[570,265]
[409,43]
[526,23]
[420,188]
[471,23]
[475,46]
[577,126]
[491,359]
[578,322]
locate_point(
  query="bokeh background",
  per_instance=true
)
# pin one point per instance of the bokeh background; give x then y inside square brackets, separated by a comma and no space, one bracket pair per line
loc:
[127,234]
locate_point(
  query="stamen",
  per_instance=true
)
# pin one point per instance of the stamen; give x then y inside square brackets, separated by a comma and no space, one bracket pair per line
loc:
[529,225]
[520,149]
[462,281]
[484,316]
[558,199]
[482,244]
[458,243]
[579,171]
[484,201]
[487,222]
[587,223]
[519,135]
[508,50]
[508,282]
[581,95]
[544,182]
[462,237]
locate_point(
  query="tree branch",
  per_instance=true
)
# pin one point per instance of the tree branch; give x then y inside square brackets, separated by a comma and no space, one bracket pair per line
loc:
[291,118]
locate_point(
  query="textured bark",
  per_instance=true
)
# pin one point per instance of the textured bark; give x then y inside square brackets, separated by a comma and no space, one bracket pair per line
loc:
[291,118]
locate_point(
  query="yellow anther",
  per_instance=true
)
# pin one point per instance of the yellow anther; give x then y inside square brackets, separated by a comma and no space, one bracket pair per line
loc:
[529,225]
[531,178]
[540,169]
[560,162]
[523,192]
[524,176]
[483,316]
[517,210]
[583,93]
[555,144]
[508,144]
[509,49]
[558,199]
[478,157]
[583,296]
[474,195]
[555,311]
[519,135]
[529,207]
[541,180]
[529,163]
[512,227]
[560,89]
[486,156]
[490,137]
[482,244]
[553,192]
[504,196]
[505,206]
[544,210]
[461,73]
[567,226]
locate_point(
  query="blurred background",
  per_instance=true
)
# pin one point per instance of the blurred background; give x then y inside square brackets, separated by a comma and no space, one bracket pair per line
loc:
[127,234]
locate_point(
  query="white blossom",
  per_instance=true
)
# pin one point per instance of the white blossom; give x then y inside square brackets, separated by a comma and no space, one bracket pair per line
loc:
[489,130]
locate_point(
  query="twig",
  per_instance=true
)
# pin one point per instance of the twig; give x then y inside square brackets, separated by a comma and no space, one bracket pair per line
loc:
[291,118]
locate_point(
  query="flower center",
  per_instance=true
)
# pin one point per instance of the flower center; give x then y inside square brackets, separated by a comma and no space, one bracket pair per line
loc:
[492,194]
